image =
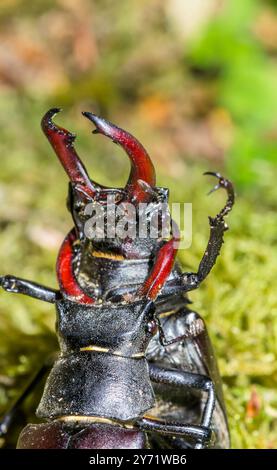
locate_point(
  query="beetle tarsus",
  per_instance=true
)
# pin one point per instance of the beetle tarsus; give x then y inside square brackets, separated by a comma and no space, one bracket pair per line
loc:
[189,380]
[228,186]
[218,226]
[17,285]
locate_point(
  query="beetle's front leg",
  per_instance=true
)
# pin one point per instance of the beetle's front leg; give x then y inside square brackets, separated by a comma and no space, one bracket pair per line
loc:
[22,286]
[217,228]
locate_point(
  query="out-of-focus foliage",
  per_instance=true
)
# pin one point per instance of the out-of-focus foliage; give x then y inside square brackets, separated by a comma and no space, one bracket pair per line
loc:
[245,77]
[195,82]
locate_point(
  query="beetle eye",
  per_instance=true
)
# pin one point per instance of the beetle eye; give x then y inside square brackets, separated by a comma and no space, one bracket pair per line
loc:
[152,327]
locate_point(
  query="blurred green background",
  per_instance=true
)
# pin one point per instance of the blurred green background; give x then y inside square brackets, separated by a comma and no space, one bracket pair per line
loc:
[196,82]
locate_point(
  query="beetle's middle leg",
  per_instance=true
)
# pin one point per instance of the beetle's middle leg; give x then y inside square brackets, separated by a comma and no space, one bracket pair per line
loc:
[200,433]
[194,354]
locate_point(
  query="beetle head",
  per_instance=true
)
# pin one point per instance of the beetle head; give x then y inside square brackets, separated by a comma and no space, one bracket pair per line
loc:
[86,196]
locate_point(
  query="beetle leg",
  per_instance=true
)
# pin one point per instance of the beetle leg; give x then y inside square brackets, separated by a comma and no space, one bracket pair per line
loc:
[194,381]
[32,289]
[7,420]
[198,433]
[167,342]
[217,228]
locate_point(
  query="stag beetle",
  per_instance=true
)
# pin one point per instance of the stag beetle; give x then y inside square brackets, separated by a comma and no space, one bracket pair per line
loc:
[136,367]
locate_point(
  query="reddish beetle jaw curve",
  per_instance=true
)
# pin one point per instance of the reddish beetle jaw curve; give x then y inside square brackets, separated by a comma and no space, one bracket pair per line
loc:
[141,165]
[62,142]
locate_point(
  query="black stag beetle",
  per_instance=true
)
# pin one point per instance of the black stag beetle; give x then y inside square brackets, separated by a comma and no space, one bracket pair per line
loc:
[136,367]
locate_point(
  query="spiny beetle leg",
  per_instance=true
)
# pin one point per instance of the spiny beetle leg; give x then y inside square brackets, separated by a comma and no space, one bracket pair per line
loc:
[200,434]
[194,381]
[17,285]
[217,228]
[225,184]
